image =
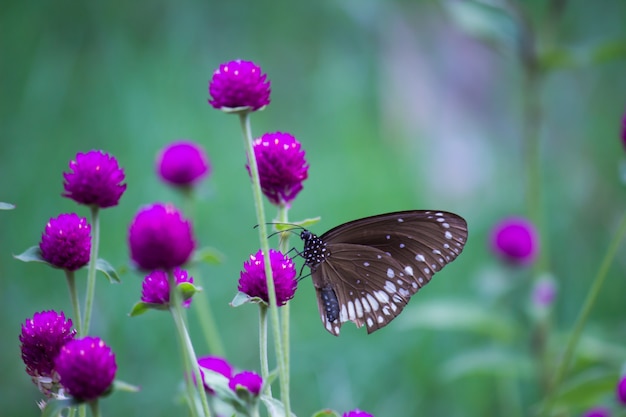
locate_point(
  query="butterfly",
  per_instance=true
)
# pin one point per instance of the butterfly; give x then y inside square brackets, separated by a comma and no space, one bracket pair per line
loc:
[365,271]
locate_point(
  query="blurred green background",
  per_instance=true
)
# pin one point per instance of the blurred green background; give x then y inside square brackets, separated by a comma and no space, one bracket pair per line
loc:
[399,105]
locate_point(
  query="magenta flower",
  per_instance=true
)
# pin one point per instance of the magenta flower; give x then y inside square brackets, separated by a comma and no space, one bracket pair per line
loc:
[156,289]
[42,338]
[252,279]
[238,84]
[357,413]
[282,166]
[66,242]
[597,412]
[96,180]
[624,130]
[248,380]
[215,364]
[87,368]
[544,292]
[515,240]
[182,163]
[621,390]
[160,238]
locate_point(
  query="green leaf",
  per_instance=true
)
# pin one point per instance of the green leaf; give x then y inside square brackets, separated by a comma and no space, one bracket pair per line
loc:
[458,314]
[492,361]
[242,298]
[281,227]
[274,407]
[219,384]
[6,206]
[108,270]
[326,413]
[587,388]
[187,290]
[608,51]
[207,255]
[32,254]
[141,307]
[124,386]
[55,406]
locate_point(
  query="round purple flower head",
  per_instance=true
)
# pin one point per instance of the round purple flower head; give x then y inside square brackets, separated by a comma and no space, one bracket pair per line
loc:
[215,364]
[182,163]
[95,180]
[239,84]
[87,368]
[66,241]
[282,166]
[41,340]
[621,390]
[160,238]
[515,240]
[624,130]
[252,279]
[597,412]
[357,413]
[248,380]
[156,289]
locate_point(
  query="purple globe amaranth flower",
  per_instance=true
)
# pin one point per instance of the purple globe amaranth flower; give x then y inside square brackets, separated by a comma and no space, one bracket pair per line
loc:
[215,364]
[160,238]
[624,130]
[620,390]
[515,240]
[42,338]
[252,280]
[66,241]
[182,163]
[95,180]
[248,380]
[282,166]
[238,84]
[86,367]
[357,413]
[156,288]
[597,412]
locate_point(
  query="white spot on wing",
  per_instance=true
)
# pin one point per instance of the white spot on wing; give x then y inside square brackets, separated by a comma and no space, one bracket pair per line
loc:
[386,310]
[448,235]
[358,307]
[409,270]
[403,292]
[372,302]
[351,313]
[366,264]
[343,315]
[390,273]
[370,322]
[381,296]
[366,305]
[390,287]
[420,257]
[380,319]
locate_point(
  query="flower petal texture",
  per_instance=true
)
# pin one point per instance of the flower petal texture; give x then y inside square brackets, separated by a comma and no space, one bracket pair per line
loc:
[95,179]
[249,380]
[87,368]
[282,166]
[215,364]
[156,288]
[597,412]
[182,163]
[515,240]
[42,338]
[621,390]
[66,241]
[160,238]
[252,279]
[239,84]
[357,413]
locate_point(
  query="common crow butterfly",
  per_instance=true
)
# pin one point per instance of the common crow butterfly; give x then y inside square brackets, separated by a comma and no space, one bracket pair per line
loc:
[366,270]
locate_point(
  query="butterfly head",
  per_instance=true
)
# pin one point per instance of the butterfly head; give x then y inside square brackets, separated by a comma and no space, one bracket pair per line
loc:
[315,250]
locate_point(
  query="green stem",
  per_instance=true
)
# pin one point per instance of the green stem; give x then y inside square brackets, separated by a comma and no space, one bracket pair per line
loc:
[71,285]
[283,246]
[260,213]
[91,274]
[592,295]
[94,406]
[185,341]
[265,369]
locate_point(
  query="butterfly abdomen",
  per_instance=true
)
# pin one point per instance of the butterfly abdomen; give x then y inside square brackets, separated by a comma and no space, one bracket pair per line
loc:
[331,303]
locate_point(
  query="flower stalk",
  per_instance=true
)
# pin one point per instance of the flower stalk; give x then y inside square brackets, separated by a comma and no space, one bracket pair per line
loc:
[91,274]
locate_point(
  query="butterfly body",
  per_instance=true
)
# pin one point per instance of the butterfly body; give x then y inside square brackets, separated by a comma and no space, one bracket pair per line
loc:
[366,270]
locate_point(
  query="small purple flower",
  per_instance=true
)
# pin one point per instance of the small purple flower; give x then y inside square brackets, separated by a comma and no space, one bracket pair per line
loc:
[282,166]
[624,130]
[357,413]
[544,292]
[597,412]
[182,163]
[87,368]
[95,180]
[66,241]
[515,240]
[215,364]
[248,380]
[239,84]
[156,289]
[621,390]
[41,340]
[252,280]
[160,238]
